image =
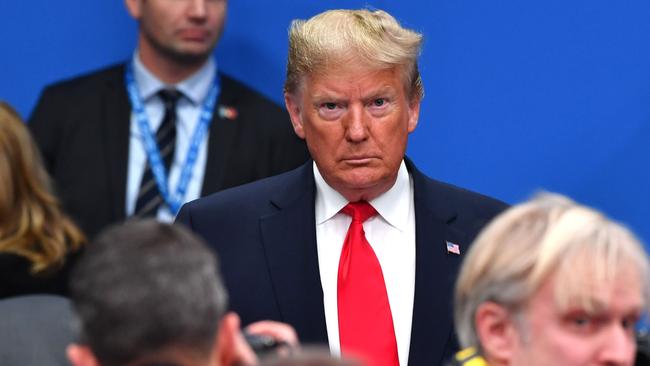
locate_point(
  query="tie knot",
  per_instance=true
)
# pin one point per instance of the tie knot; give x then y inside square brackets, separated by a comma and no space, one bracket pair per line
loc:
[360,211]
[169,97]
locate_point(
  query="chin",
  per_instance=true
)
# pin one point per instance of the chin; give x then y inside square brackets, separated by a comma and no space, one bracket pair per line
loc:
[191,57]
[368,187]
[361,178]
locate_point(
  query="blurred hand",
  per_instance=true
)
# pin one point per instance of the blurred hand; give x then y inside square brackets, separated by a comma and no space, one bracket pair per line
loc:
[234,350]
[283,333]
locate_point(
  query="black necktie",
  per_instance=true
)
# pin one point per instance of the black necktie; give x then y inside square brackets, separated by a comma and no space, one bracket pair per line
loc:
[149,197]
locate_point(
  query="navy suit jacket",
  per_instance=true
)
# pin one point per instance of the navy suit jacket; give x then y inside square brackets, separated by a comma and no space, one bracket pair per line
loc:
[265,236]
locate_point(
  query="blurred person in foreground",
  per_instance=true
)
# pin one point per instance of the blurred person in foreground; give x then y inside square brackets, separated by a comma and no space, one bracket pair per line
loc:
[148,293]
[167,126]
[310,356]
[551,282]
[38,242]
[357,248]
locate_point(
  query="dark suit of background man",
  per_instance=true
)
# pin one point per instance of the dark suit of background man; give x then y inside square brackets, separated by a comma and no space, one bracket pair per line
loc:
[88,132]
[353,92]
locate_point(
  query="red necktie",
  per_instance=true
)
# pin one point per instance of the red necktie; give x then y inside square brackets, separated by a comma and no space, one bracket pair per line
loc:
[365,321]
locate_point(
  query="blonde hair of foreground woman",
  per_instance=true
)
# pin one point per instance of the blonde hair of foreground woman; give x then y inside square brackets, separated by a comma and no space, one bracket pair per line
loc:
[32,224]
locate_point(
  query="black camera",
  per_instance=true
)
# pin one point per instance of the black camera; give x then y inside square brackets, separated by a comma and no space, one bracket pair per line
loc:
[263,345]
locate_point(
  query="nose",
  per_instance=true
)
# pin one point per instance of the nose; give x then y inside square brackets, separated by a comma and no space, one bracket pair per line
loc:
[197,9]
[619,347]
[356,124]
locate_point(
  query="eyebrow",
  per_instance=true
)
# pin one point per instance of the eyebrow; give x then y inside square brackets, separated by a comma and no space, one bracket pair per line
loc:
[597,306]
[318,99]
[332,96]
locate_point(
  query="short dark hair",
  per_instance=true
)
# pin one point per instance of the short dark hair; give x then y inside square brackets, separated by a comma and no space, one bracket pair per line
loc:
[143,287]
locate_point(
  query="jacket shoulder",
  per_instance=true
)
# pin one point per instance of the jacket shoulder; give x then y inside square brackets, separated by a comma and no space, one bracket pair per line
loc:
[247,99]
[448,200]
[84,83]
[463,197]
[255,198]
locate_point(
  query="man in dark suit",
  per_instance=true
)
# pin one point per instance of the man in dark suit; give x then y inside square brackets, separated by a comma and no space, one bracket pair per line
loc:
[383,289]
[94,146]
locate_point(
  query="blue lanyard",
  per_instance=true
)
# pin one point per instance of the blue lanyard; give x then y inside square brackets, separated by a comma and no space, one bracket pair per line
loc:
[151,147]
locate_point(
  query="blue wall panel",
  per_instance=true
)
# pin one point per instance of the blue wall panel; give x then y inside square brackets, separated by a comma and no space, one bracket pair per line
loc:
[520,96]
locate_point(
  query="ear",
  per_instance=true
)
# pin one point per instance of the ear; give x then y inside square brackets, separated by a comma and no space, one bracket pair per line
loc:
[292,102]
[414,113]
[497,333]
[231,347]
[134,8]
[79,355]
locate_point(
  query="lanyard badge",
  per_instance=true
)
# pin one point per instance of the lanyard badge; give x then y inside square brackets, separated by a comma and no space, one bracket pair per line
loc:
[175,199]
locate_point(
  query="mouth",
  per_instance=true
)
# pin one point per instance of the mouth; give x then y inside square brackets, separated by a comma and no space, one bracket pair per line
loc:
[194,34]
[358,160]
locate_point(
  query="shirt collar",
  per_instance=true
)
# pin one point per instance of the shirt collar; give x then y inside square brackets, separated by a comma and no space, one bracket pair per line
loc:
[392,205]
[195,88]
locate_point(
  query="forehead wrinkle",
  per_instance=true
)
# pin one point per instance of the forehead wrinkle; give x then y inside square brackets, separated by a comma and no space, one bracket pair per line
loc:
[595,298]
[379,91]
[590,304]
[326,92]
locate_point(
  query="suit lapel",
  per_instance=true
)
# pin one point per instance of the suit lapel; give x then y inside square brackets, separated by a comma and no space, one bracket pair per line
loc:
[116,121]
[432,325]
[222,135]
[289,238]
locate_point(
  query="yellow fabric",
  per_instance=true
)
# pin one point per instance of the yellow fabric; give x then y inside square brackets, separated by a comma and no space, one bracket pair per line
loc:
[465,353]
[470,357]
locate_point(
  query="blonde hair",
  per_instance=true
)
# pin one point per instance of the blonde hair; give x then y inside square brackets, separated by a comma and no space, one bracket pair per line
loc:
[344,36]
[548,235]
[31,222]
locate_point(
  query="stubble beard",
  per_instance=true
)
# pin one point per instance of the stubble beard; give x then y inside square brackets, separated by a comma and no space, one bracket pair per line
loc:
[179,57]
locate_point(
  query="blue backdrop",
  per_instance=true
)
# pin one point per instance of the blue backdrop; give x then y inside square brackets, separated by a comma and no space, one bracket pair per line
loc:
[520,96]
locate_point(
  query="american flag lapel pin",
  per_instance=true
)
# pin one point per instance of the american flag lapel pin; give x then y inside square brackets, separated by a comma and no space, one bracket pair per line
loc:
[453,248]
[227,112]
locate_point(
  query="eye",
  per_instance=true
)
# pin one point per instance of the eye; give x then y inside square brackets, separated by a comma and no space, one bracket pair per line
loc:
[630,321]
[581,322]
[330,106]
[379,102]
[330,110]
[379,107]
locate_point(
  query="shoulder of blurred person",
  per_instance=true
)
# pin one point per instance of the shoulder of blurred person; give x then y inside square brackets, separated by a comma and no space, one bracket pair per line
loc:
[35,330]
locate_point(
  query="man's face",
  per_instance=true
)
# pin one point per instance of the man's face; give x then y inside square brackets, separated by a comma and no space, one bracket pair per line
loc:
[182,30]
[549,335]
[356,122]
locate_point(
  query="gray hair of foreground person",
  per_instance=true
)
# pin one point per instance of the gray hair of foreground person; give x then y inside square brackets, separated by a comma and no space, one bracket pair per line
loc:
[143,288]
[341,36]
[548,235]
[311,356]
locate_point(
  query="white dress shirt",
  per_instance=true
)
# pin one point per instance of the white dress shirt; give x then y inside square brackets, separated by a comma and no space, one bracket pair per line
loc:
[194,89]
[392,236]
